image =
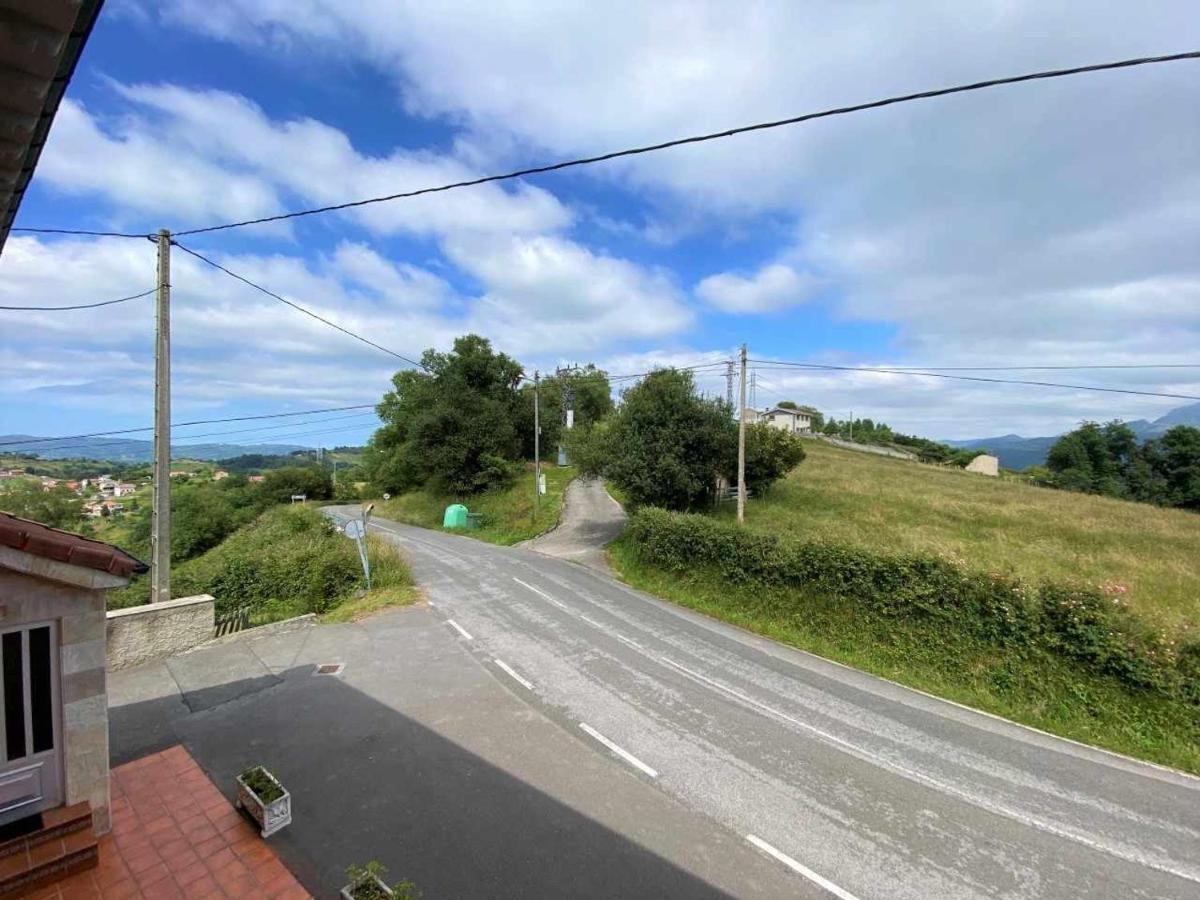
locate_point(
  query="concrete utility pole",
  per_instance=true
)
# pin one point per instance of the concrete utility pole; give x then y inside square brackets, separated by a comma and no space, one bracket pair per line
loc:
[741,488]
[729,383]
[537,446]
[160,531]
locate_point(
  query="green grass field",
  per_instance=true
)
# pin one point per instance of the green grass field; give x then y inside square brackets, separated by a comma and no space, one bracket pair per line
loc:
[994,525]
[509,513]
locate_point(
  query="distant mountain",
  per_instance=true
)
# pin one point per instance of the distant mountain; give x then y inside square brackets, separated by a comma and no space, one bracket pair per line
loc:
[129,450]
[1016,452]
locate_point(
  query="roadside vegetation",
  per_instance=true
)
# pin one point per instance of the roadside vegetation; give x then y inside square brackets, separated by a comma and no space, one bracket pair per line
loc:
[508,513]
[287,562]
[461,430]
[1146,556]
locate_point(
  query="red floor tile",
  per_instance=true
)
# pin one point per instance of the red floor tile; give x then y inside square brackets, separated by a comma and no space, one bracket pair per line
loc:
[175,835]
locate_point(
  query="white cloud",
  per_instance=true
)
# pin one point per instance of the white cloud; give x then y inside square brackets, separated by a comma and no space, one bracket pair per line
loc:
[772,288]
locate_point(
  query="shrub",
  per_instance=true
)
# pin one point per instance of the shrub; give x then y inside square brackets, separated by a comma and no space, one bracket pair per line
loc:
[289,561]
[1078,622]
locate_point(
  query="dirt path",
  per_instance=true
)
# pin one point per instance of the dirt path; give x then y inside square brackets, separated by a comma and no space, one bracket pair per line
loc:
[590,519]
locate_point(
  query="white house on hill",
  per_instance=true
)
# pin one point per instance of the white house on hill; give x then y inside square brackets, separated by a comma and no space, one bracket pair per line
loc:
[796,421]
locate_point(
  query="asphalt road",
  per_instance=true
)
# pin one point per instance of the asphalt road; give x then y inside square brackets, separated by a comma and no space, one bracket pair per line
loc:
[851,784]
[590,520]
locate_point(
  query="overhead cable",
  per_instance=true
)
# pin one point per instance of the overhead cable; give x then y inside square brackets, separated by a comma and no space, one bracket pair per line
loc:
[84,305]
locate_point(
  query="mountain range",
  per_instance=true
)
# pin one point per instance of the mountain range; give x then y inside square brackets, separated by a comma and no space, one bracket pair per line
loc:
[130,450]
[1017,452]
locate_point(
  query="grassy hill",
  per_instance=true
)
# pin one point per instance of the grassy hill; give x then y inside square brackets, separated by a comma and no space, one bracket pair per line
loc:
[994,525]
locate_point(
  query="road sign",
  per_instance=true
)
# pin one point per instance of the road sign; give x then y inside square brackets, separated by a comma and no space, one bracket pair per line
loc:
[354,529]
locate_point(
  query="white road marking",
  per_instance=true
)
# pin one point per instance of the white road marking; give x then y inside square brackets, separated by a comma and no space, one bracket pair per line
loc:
[509,669]
[540,593]
[801,869]
[991,805]
[459,629]
[624,754]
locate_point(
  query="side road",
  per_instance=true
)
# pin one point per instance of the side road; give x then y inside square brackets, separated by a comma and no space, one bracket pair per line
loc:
[590,520]
[424,755]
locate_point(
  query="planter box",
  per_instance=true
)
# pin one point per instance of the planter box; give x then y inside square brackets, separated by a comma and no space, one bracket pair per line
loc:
[270,816]
[348,891]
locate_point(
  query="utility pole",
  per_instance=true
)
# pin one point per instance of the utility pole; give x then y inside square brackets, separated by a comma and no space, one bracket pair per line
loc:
[741,488]
[754,389]
[537,446]
[160,532]
[729,384]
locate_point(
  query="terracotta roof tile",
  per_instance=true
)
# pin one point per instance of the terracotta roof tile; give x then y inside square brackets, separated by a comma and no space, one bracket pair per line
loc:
[63,546]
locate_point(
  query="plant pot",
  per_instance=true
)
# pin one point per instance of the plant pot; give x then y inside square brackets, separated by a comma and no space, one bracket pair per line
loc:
[270,816]
[372,881]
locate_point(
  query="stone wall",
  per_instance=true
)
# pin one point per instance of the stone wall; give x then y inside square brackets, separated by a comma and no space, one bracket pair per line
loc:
[80,615]
[152,631]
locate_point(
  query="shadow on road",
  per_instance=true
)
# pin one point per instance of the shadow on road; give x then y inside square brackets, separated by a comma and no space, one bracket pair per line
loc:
[370,783]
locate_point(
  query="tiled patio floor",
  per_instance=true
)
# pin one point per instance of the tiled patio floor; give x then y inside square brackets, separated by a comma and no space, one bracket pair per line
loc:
[175,835]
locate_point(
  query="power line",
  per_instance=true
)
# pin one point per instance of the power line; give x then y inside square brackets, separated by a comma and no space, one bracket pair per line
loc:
[693,368]
[1042,368]
[297,306]
[188,437]
[700,138]
[121,234]
[84,305]
[302,412]
[930,374]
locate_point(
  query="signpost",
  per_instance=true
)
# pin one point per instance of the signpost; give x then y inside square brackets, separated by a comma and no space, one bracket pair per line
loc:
[357,529]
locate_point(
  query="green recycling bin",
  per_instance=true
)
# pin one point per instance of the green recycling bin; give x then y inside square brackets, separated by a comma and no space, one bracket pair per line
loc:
[455,517]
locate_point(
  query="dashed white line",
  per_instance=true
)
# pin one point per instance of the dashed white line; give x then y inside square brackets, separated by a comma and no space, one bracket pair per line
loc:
[539,592]
[801,869]
[509,669]
[459,629]
[621,752]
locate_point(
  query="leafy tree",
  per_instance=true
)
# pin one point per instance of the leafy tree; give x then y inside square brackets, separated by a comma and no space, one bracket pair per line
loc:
[770,454]
[57,507]
[787,404]
[1095,459]
[278,485]
[1177,461]
[591,397]
[453,426]
[666,445]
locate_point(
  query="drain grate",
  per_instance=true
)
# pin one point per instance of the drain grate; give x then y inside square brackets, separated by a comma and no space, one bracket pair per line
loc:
[329,669]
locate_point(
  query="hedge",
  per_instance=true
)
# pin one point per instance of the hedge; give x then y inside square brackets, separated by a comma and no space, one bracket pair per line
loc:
[1075,621]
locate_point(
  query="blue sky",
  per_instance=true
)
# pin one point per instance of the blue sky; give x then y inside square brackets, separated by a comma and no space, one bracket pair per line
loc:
[1047,224]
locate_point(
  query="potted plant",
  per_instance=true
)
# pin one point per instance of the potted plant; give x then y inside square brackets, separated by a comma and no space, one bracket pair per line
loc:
[261,795]
[366,883]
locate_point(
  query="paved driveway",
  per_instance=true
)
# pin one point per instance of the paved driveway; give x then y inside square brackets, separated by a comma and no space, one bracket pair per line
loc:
[425,755]
[590,520]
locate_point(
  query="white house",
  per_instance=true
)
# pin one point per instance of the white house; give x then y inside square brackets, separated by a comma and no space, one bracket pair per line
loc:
[796,421]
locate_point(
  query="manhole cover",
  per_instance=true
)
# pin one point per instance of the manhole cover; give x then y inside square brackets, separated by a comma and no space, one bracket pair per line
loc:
[330,669]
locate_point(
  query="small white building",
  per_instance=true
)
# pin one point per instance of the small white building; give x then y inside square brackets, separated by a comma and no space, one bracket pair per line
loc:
[795,421]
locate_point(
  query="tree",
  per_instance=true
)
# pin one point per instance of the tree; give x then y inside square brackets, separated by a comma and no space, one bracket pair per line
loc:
[452,426]
[1177,461]
[591,399]
[1095,459]
[279,485]
[787,404]
[770,454]
[666,445]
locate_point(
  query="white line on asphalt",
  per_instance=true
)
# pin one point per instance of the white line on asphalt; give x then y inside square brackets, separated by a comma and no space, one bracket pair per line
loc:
[458,628]
[539,592]
[509,669]
[801,869]
[624,754]
[993,806]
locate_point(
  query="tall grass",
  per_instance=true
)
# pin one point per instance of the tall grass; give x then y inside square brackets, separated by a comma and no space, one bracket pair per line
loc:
[509,513]
[993,525]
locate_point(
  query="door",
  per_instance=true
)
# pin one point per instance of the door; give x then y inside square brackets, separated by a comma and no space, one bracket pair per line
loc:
[30,752]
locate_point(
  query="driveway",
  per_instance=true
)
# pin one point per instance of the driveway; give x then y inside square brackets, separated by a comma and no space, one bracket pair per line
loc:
[849,784]
[426,755]
[590,520]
